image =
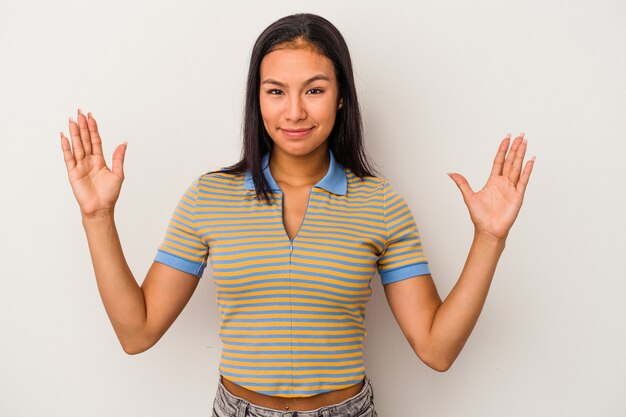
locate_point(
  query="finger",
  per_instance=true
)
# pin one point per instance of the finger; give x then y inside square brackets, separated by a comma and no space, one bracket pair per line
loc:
[508,163]
[77,146]
[85,138]
[516,169]
[96,142]
[498,161]
[463,185]
[523,180]
[70,163]
[118,160]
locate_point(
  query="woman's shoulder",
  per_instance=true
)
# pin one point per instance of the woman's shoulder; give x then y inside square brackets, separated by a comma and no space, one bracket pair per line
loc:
[367,181]
[220,179]
[222,174]
[367,185]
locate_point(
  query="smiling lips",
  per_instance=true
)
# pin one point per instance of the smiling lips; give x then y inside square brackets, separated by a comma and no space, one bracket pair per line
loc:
[295,133]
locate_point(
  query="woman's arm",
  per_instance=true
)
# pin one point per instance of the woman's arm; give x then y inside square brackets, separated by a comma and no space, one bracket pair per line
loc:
[139,315]
[438,331]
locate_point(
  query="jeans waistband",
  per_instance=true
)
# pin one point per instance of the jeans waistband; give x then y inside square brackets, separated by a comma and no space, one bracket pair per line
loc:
[231,405]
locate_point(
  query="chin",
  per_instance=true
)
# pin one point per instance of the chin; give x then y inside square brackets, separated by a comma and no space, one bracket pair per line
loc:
[298,149]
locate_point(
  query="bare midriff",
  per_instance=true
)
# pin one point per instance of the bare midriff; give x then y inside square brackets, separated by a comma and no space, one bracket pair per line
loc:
[297,403]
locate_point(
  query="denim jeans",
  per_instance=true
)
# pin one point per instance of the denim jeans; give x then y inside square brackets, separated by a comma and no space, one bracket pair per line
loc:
[360,405]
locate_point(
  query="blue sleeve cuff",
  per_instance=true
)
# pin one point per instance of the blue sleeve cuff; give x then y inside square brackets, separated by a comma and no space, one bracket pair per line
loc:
[194,268]
[404,272]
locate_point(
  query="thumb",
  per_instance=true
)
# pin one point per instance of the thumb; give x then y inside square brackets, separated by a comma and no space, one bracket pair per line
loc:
[118,160]
[463,185]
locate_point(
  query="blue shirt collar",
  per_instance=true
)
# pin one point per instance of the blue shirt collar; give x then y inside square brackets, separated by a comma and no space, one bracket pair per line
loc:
[335,180]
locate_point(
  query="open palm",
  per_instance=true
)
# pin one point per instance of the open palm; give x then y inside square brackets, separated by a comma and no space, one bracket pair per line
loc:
[495,207]
[95,186]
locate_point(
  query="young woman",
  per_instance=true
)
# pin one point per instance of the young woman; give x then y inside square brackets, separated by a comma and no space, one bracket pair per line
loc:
[295,231]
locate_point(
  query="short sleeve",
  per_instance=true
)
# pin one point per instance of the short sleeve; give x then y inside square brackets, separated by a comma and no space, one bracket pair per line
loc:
[183,248]
[403,256]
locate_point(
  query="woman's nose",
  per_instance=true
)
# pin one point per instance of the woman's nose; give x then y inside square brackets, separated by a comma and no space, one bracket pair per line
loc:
[296,110]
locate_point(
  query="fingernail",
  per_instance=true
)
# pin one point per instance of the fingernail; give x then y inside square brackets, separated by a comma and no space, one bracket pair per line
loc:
[522,134]
[508,136]
[89,115]
[81,112]
[72,119]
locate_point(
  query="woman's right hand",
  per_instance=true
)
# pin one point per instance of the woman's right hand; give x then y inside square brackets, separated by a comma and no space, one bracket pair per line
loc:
[95,186]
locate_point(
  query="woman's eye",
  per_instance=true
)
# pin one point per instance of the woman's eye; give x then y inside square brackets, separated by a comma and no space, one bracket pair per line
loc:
[276,92]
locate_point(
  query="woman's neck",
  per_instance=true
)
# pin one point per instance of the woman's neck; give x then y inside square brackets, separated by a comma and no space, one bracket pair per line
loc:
[299,171]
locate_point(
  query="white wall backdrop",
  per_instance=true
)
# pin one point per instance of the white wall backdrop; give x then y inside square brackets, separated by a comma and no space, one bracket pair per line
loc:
[440,82]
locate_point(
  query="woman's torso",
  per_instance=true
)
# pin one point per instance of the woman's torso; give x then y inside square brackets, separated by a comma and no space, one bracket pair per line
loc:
[292,291]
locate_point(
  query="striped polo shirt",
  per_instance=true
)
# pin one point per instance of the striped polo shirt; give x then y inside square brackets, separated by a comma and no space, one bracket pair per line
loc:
[292,311]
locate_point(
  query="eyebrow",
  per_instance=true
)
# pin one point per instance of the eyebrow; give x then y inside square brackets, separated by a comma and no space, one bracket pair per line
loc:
[309,81]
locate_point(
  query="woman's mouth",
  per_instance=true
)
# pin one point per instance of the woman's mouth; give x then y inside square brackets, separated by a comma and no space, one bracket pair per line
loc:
[296,133]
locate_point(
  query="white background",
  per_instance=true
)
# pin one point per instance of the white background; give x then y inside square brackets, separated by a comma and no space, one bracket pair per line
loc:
[440,84]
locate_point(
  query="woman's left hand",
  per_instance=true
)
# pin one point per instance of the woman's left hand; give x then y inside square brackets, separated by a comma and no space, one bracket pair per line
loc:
[493,209]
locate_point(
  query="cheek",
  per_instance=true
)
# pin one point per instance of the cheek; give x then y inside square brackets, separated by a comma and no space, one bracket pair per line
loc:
[268,112]
[323,110]
[327,114]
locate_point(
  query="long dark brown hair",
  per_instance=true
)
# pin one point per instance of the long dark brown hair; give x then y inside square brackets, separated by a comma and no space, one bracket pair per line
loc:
[345,139]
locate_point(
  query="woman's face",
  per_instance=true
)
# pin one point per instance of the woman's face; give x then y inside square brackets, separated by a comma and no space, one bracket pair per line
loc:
[299,96]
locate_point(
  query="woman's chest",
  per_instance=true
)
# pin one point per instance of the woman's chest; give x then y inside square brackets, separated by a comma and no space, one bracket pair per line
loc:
[313,235]
[295,202]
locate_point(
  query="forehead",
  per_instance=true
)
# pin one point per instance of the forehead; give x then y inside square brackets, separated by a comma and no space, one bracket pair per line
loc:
[295,64]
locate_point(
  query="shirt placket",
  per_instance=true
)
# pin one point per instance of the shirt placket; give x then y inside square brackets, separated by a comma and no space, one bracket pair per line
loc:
[289,265]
